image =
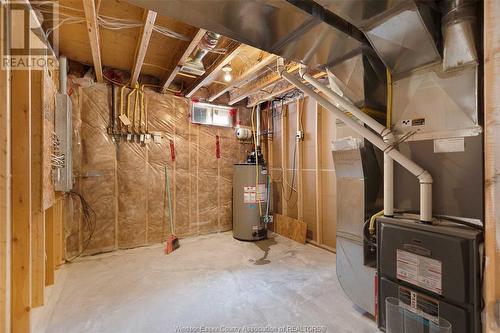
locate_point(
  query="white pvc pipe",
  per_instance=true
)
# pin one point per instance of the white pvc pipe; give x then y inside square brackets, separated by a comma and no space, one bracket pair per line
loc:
[63,74]
[257,110]
[423,176]
[343,105]
[388,185]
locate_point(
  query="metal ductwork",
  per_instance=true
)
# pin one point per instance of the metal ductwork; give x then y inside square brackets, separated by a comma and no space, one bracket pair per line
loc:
[302,31]
[459,29]
[194,64]
[404,33]
[361,78]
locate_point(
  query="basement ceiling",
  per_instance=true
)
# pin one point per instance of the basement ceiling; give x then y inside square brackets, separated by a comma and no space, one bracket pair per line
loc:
[118,46]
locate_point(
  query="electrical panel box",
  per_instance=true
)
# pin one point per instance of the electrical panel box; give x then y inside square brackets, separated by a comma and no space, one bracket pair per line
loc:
[434,271]
[63,179]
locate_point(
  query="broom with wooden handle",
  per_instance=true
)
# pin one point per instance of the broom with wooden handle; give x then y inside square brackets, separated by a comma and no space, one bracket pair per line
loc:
[172,240]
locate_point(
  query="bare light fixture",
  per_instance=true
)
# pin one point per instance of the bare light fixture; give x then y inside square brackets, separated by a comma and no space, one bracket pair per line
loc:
[227,72]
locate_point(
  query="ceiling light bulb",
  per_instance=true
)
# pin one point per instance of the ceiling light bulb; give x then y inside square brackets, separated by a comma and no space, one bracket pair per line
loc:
[228,77]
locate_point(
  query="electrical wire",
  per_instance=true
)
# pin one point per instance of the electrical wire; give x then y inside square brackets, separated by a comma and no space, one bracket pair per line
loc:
[292,189]
[89,218]
[104,21]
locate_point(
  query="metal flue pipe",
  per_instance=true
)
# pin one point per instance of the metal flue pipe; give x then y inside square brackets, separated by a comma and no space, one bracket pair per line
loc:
[424,177]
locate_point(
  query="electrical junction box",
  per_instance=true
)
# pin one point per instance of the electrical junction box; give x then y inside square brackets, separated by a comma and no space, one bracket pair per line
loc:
[434,271]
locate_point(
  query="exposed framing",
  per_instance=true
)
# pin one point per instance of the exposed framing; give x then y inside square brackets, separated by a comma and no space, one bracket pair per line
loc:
[38,223]
[492,165]
[187,52]
[21,201]
[247,76]
[255,86]
[210,76]
[142,45]
[93,31]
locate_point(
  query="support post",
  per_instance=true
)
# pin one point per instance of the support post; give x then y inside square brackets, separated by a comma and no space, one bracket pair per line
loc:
[21,201]
[300,141]
[38,223]
[491,322]
[317,156]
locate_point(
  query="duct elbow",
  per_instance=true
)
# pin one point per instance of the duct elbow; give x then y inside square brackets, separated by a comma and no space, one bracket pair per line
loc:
[388,136]
[280,66]
[425,178]
[302,71]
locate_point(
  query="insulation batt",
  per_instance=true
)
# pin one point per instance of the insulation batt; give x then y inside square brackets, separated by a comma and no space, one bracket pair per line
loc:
[125,183]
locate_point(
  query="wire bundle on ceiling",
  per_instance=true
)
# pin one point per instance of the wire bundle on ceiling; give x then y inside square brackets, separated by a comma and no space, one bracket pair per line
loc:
[106,22]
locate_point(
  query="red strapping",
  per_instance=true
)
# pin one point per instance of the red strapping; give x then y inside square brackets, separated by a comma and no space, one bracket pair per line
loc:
[172,150]
[217,146]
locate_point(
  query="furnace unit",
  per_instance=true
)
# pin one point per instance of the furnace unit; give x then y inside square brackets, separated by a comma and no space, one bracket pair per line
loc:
[434,271]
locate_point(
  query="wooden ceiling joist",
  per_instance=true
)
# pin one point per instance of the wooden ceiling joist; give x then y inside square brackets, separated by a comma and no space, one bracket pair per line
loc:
[257,85]
[281,87]
[142,45]
[93,31]
[210,76]
[192,45]
[248,75]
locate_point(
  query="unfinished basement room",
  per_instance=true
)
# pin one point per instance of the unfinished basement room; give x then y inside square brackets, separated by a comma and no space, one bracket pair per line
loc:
[258,166]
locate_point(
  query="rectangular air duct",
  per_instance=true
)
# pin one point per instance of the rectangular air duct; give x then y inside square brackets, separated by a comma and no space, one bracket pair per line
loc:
[404,33]
[361,78]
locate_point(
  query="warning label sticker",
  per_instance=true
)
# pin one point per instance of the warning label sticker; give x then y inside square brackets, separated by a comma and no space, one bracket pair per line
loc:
[250,197]
[420,271]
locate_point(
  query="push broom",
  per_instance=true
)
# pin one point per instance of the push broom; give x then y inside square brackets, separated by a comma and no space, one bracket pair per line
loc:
[172,240]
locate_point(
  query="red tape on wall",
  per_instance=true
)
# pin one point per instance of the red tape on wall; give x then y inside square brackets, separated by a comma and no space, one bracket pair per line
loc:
[217,146]
[172,150]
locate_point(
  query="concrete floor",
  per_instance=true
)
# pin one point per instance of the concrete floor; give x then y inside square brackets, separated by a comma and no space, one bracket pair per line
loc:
[209,281]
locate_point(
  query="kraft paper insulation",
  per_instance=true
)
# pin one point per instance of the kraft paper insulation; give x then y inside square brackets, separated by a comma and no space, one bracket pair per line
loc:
[124,182]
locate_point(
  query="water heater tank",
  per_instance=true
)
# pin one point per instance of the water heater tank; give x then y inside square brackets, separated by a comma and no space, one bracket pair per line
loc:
[249,191]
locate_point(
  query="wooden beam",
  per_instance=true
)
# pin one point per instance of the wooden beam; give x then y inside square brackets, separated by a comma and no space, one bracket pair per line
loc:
[279,88]
[21,201]
[300,144]
[248,75]
[257,85]
[142,44]
[187,52]
[210,76]
[50,265]
[38,223]
[93,31]
[97,6]
[317,157]
[491,34]
[5,193]
[58,231]
[284,160]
